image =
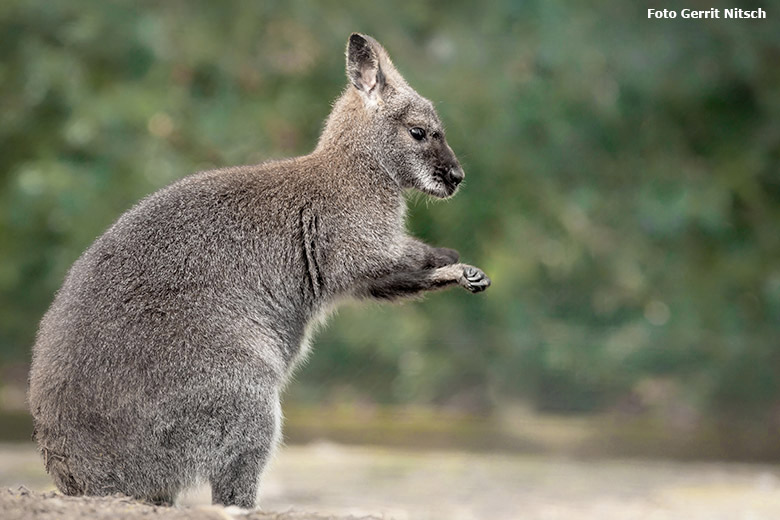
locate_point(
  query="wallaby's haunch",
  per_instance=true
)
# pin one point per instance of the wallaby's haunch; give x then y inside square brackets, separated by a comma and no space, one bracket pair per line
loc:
[161,360]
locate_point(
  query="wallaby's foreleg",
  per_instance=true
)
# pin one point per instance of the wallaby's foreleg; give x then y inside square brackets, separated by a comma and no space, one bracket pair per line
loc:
[419,255]
[440,257]
[423,268]
[409,283]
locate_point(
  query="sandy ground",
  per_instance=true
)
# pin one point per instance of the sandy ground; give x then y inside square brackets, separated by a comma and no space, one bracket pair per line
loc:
[333,481]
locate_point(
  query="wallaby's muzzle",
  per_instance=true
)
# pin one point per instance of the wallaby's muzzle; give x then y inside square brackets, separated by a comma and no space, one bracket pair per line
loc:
[451,176]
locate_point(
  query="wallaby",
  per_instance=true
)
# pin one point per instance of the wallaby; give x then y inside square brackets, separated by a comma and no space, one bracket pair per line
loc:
[160,362]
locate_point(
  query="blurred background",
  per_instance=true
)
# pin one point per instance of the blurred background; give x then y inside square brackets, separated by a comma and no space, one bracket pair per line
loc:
[622,191]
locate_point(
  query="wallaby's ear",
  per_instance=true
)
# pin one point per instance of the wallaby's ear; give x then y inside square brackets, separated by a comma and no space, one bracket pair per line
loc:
[363,68]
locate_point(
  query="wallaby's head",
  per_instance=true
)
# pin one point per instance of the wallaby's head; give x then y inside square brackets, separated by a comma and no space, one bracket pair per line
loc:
[399,127]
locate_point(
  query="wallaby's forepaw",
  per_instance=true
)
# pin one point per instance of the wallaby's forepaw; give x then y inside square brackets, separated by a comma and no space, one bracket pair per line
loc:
[474,279]
[444,256]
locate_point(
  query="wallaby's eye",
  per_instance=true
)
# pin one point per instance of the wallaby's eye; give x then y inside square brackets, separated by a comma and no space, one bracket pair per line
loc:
[417,132]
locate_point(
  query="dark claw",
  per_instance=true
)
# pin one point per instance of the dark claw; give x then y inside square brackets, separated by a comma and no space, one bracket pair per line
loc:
[479,286]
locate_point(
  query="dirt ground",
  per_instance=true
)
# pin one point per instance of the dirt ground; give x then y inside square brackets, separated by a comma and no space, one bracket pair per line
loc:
[22,504]
[321,480]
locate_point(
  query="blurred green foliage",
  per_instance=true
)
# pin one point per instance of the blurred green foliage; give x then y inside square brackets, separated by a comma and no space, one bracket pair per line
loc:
[623,183]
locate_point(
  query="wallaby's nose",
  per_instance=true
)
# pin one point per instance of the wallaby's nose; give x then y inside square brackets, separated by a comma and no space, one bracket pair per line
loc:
[455,176]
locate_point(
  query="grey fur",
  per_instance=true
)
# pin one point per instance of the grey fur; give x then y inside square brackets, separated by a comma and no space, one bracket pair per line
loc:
[162,357]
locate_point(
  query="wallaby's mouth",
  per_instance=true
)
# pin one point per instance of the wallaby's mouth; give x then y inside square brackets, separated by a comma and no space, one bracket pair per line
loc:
[440,189]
